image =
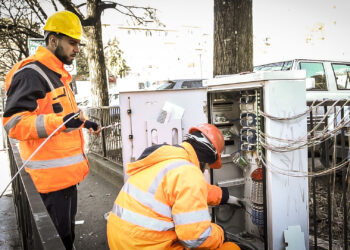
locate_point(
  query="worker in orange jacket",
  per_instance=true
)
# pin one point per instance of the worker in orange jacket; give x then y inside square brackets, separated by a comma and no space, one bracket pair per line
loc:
[39,100]
[164,202]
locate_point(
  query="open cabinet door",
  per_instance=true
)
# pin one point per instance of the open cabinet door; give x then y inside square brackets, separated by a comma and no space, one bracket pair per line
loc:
[259,116]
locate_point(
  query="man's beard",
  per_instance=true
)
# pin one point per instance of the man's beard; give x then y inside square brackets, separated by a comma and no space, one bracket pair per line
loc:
[60,55]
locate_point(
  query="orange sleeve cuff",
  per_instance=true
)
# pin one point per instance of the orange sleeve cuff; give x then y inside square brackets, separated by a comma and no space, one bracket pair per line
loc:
[214,195]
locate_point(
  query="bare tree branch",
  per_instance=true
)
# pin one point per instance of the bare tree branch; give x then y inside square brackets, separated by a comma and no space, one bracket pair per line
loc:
[68,5]
[54,5]
[33,4]
[18,22]
[129,10]
[81,5]
[22,19]
[20,29]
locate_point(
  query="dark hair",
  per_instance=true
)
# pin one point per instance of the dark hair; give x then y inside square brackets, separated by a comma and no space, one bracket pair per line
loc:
[47,34]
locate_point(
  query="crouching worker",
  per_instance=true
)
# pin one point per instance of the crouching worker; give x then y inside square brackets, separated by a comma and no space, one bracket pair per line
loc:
[164,203]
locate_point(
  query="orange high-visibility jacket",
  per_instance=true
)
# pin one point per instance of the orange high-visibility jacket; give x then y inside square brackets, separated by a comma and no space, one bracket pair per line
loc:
[38,97]
[163,204]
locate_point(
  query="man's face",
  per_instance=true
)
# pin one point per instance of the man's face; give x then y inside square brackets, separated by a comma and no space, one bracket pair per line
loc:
[67,49]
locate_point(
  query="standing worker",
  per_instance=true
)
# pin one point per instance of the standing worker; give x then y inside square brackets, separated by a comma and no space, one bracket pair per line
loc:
[39,100]
[164,203]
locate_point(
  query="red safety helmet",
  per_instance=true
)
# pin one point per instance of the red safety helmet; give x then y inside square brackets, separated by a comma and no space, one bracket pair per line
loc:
[215,137]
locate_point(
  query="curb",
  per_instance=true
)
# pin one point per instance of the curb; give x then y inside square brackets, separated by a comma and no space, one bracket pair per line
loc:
[110,171]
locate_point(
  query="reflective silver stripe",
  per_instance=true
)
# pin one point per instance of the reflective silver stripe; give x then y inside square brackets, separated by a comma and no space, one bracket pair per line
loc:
[191,217]
[40,71]
[40,126]
[147,200]
[142,220]
[11,123]
[154,185]
[56,163]
[199,241]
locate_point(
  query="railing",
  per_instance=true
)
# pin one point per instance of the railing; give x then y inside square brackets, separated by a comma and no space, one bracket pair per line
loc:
[109,144]
[35,225]
[329,193]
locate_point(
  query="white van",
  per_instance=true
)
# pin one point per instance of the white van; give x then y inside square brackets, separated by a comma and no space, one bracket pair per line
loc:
[324,80]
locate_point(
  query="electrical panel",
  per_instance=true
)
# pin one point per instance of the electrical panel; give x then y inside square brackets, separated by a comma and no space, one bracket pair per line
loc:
[235,113]
[247,109]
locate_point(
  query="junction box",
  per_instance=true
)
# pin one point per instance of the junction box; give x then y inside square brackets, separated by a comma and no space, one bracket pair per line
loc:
[257,174]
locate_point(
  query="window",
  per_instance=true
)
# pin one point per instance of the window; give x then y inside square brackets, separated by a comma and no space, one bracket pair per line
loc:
[342,75]
[191,84]
[167,85]
[287,65]
[275,66]
[315,70]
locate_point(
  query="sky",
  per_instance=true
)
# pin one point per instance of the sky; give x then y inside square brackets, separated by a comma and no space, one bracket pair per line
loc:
[301,29]
[282,30]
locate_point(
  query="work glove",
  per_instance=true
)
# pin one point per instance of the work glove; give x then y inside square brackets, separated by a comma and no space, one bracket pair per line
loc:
[72,123]
[226,198]
[234,201]
[90,124]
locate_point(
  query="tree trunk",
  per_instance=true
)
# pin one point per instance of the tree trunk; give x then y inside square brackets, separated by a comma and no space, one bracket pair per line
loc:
[96,59]
[233,36]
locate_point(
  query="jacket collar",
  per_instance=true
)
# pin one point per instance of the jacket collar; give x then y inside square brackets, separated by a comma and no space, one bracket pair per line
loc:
[46,57]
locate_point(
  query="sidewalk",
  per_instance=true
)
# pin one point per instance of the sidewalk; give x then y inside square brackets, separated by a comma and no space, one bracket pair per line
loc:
[5,175]
[95,198]
[9,236]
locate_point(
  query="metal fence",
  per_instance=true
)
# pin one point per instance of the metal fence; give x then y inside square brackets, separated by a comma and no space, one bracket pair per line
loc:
[35,225]
[329,189]
[109,144]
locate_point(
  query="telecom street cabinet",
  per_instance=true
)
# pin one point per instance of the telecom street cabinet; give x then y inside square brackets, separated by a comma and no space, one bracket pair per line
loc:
[257,114]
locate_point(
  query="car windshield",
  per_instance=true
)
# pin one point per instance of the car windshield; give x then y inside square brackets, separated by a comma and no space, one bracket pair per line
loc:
[280,66]
[191,84]
[167,85]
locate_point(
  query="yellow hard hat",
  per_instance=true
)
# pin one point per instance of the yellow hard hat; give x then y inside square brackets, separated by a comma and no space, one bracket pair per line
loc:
[64,22]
